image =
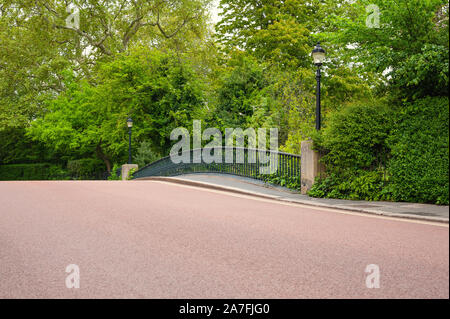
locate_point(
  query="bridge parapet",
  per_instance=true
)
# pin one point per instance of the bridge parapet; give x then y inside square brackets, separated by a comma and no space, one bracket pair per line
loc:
[246,162]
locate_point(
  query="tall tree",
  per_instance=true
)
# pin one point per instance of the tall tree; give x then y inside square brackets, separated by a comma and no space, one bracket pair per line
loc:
[271,30]
[159,91]
[408,48]
[39,39]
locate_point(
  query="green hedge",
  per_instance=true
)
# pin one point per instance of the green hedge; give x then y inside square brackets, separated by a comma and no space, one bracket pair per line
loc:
[86,168]
[356,137]
[419,147]
[373,153]
[40,171]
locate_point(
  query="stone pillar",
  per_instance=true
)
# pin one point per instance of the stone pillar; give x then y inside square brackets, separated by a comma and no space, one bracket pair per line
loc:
[126,169]
[310,166]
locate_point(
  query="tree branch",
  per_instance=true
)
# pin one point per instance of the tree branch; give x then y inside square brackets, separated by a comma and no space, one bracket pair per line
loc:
[91,41]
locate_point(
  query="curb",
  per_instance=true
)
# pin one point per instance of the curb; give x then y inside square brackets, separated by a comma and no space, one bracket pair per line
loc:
[293,201]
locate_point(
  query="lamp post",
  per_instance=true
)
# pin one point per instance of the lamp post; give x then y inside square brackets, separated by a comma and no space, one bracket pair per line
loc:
[130,125]
[318,55]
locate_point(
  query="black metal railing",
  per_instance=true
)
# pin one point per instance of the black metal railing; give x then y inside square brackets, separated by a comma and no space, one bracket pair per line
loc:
[253,163]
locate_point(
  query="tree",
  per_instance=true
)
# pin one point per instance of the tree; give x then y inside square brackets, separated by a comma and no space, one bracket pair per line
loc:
[271,30]
[158,90]
[409,48]
[240,83]
[280,36]
[39,40]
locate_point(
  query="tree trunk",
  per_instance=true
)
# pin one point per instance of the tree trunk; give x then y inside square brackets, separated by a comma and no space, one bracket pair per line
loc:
[103,157]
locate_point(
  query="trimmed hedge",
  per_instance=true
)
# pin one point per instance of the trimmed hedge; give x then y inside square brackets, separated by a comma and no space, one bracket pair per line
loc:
[40,171]
[372,153]
[86,168]
[419,145]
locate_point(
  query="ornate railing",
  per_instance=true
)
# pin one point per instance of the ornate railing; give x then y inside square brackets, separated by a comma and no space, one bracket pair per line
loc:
[253,163]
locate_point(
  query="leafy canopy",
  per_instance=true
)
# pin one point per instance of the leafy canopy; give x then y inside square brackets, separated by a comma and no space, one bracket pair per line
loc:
[159,91]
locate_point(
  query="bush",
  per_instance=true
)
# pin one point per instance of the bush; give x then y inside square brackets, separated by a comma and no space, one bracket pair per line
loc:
[145,154]
[292,182]
[86,168]
[115,173]
[420,149]
[40,171]
[130,173]
[355,138]
[363,185]
[375,154]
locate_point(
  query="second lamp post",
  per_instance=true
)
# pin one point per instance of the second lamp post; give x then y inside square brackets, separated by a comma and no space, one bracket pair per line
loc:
[130,125]
[318,55]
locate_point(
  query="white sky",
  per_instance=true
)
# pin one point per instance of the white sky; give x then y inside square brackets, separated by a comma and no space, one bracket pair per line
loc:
[215,11]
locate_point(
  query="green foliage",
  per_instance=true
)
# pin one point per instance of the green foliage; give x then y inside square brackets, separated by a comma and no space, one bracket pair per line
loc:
[16,147]
[130,173]
[66,93]
[250,94]
[37,44]
[159,91]
[40,171]
[279,32]
[362,185]
[86,168]
[38,47]
[291,182]
[114,175]
[240,86]
[409,49]
[419,144]
[423,74]
[355,138]
[145,155]
[294,112]
[374,154]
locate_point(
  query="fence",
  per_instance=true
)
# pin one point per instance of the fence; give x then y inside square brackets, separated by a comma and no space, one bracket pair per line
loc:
[252,163]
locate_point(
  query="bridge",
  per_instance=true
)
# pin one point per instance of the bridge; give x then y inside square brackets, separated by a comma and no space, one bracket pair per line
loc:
[266,165]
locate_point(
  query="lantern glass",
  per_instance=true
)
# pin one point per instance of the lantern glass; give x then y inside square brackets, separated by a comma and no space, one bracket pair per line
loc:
[318,57]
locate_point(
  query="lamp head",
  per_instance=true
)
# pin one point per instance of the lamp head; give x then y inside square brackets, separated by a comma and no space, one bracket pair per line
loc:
[129,122]
[318,55]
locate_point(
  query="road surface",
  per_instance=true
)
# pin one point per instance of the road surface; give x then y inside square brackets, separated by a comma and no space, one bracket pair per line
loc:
[143,239]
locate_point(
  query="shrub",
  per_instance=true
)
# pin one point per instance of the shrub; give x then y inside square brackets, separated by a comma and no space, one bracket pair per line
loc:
[130,173]
[292,182]
[39,171]
[355,138]
[115,173]
[86,168]
[420,148]
[363,185]
[145,154]
[375,154]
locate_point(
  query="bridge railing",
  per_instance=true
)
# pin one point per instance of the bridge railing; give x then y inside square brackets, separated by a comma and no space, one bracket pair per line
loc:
[246,162]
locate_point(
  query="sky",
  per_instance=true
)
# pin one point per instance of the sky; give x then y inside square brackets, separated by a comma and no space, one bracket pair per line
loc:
[215,11]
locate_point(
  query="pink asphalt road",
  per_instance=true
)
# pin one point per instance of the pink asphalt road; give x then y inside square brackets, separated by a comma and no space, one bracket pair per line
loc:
[146,239]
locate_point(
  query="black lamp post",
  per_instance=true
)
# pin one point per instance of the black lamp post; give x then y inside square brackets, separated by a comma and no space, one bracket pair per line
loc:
[130,125]
[318,55]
